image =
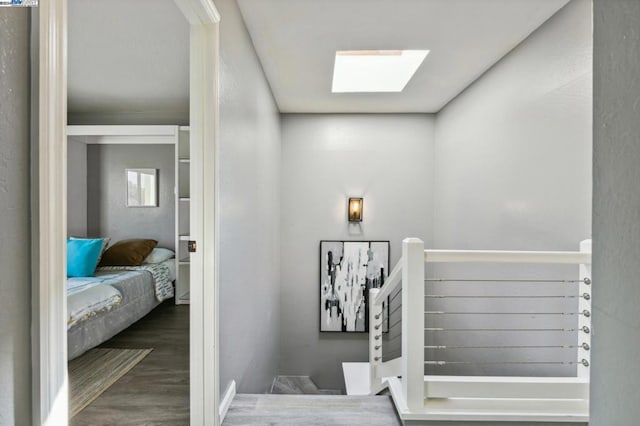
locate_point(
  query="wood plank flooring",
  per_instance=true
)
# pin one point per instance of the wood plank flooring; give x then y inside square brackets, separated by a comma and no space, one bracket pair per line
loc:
[156,391]
[311,410]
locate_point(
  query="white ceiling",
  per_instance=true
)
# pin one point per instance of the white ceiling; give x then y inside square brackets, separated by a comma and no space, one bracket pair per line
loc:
[296,41]
[132,57]
[128,57]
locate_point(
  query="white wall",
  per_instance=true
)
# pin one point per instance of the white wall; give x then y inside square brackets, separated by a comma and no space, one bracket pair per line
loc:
[249,203]
[387,159]
[76,189]
[616,214]
[15,295]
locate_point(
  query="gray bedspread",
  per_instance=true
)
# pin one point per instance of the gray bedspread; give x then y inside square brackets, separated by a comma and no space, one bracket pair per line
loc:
[160,272]
[138,299]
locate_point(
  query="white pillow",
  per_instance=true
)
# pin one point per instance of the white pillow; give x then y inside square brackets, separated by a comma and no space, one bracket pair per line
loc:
[159,255]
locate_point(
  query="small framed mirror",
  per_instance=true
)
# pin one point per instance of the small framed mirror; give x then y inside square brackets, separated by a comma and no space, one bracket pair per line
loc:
[142,187]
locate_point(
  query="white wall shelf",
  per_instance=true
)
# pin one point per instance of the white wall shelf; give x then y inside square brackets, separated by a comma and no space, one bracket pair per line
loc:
[126,135]
[183,159]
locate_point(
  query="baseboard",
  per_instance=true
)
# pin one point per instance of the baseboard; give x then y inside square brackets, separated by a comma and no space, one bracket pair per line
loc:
[229,394]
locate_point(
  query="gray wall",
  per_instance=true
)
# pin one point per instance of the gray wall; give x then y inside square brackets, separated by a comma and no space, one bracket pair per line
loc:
[388,159]
[513,171]
[513,150]
[76,189]
[107,211]
[249,159]
[616,214]
[15,297]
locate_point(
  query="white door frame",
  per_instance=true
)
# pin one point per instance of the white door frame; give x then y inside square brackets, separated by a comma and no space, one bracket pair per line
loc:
[49,328]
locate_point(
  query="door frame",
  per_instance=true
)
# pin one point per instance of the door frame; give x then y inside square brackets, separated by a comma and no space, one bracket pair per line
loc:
[49,328]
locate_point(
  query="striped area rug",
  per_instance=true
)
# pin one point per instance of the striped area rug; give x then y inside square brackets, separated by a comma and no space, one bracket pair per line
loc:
[94,372]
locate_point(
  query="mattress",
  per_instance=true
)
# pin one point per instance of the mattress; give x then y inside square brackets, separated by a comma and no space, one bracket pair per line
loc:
[138,298]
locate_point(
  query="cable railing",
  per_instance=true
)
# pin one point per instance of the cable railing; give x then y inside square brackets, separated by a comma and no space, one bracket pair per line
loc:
[497,331]
[391,339]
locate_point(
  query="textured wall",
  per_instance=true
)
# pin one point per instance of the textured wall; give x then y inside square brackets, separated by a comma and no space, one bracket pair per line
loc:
[76,189]
[15,302]
[107,211]
[388,159]
[513,171]
[616,214]
[249,212]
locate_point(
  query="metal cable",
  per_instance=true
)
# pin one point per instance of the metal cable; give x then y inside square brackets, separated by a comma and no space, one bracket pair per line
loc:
[395,323]
[503,362]
[504,313]
[506,347]
[395,310]
[443,296]
[393,338]
[464,280]
[395,295]
[503,329]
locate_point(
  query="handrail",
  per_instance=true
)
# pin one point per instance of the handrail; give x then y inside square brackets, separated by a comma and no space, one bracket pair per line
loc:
[500,256]
[392,282]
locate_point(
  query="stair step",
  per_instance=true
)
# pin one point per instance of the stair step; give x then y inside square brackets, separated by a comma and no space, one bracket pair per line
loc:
[299,385]
[290,385]
[296,410]
[330,392]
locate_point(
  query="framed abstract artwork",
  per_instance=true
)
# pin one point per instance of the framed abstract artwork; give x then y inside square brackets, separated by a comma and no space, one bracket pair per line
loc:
[348,269]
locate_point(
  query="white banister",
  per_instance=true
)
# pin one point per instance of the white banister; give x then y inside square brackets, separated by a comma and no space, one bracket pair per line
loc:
[390,284]
[499,256]
[413,322]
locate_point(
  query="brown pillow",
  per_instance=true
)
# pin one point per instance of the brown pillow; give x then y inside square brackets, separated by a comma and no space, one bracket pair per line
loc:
[128,252]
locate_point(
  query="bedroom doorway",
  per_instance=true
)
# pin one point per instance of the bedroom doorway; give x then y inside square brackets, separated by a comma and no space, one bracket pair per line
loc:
[50,379]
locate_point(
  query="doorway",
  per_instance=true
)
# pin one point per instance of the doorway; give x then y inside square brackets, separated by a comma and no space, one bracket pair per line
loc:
[50,405]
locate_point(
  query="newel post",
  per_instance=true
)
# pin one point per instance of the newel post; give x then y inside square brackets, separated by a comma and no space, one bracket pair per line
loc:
[584,320]
[375,341]
[413,322]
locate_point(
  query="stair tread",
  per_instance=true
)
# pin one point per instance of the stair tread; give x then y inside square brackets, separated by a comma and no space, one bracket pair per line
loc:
[311,410]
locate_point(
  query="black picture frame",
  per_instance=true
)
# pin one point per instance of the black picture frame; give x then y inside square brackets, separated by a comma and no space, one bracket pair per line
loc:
[331,308]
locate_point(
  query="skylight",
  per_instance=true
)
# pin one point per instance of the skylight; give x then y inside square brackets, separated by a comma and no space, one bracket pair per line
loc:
[375,70]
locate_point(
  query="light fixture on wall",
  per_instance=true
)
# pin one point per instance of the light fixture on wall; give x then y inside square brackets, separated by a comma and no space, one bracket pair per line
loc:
[356,205]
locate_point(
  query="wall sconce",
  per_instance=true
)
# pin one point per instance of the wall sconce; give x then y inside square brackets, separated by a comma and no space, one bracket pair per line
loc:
[355,209]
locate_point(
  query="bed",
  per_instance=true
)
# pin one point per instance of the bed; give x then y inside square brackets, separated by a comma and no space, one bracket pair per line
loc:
[102,306]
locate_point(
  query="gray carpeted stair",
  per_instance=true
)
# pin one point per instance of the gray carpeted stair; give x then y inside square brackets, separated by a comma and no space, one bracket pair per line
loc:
[299,385]
[308,410]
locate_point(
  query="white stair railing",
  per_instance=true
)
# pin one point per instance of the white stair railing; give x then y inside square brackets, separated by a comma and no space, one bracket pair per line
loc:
[414,390]
[377,298]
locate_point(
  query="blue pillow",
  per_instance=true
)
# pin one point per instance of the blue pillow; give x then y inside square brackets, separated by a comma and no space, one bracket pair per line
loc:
[82,257]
